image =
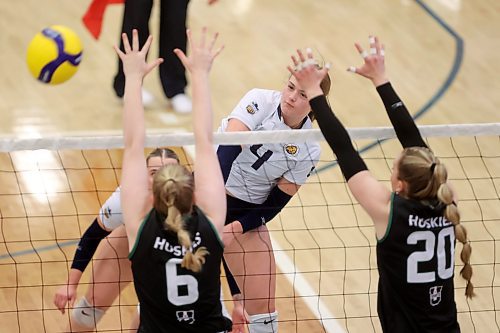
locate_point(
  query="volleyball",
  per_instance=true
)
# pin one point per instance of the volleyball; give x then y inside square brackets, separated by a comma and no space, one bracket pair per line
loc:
[54,54]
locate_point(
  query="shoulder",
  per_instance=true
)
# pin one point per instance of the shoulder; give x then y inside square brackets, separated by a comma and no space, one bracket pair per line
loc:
[256,106]
[314,150]
[261,101]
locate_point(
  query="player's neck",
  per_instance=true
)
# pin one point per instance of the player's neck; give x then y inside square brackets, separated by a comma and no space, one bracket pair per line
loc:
[297,125]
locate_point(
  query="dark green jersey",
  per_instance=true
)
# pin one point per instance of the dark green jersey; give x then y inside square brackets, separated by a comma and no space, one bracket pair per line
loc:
[172,298]
[416,266]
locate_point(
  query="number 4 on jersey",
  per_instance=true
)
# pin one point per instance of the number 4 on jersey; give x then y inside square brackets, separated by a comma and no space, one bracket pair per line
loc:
[260,159]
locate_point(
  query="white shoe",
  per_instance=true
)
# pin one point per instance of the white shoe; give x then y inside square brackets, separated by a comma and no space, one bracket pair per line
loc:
[181,103]
[147,98]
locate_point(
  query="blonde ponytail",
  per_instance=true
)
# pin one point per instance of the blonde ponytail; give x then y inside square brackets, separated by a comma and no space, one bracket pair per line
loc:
[173,196]
[427,180]
[452,214]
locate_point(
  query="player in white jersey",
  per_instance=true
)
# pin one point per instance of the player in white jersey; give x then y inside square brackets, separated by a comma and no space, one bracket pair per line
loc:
[111,271]
[260,180]
[263,166]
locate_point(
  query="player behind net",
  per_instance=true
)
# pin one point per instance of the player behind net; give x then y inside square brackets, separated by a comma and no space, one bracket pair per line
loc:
[416,222]
[175,246]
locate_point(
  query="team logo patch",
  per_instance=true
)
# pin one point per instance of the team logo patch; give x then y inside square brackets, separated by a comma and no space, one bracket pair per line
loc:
[291,149]
[185,316]
[107,212]
[435,295]
[252,108]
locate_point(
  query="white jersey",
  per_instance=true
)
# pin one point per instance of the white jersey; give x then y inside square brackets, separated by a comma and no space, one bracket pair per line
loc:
[258,168]
[111,212]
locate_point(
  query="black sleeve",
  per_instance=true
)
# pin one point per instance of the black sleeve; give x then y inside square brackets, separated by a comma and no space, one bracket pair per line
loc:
[226,156]
[337,137]
[265,212]
[404,125]
[88,245]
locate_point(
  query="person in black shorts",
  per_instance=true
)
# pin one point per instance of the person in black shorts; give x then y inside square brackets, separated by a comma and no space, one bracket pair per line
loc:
[172,32]
[175,246]
[416,223]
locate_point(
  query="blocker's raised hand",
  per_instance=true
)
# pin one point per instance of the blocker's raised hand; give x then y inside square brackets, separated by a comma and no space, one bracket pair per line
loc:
[134,58]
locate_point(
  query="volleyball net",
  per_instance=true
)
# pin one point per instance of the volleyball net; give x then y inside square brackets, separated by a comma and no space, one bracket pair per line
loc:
[51,189]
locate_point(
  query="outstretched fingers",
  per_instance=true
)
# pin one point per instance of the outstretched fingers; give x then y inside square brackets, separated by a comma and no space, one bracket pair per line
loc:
[135,40]
[118,51]
[202,51]
[126,43]
[182,57]
[361,52]
[373,66]
[301,55]
[218,51]
[203,37]
[214,40]
[373,45]
[147,45]
[306,65]
[153,64]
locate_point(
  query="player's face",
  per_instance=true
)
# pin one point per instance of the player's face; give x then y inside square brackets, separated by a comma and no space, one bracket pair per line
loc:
[294,103]
[156,163]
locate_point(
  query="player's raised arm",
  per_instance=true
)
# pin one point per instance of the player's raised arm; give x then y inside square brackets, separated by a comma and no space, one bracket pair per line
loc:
[134,180]
[209,185]
[373,69]
[371,194]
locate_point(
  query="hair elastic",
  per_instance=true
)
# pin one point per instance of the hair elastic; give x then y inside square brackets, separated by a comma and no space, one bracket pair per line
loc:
[433,166]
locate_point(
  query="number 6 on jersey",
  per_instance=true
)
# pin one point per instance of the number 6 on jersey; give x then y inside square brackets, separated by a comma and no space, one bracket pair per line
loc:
[174,281]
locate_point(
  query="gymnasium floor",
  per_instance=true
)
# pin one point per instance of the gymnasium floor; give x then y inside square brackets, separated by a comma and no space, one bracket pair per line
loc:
[441,56]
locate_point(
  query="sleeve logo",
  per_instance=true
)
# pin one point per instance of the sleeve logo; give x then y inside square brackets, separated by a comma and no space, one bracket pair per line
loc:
[252,108]
[107,212]
[291,149]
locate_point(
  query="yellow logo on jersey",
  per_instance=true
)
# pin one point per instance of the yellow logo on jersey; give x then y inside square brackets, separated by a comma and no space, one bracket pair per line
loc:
[291,149]
[107,212]
[252,108]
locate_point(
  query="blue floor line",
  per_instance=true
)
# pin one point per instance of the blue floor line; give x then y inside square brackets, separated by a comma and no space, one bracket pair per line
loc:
[459,54]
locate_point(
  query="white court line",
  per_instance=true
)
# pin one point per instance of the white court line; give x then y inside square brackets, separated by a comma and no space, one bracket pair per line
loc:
[303,288]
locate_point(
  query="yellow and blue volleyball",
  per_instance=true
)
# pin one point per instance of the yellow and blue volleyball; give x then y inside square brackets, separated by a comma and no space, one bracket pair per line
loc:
[54,54]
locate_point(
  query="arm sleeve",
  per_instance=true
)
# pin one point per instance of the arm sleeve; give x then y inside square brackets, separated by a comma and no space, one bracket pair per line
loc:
[226,156]
[404,125]
[265,212]
[337,137]
[88,245]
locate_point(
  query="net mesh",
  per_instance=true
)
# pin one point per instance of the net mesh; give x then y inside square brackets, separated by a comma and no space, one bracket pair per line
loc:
[323,241]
